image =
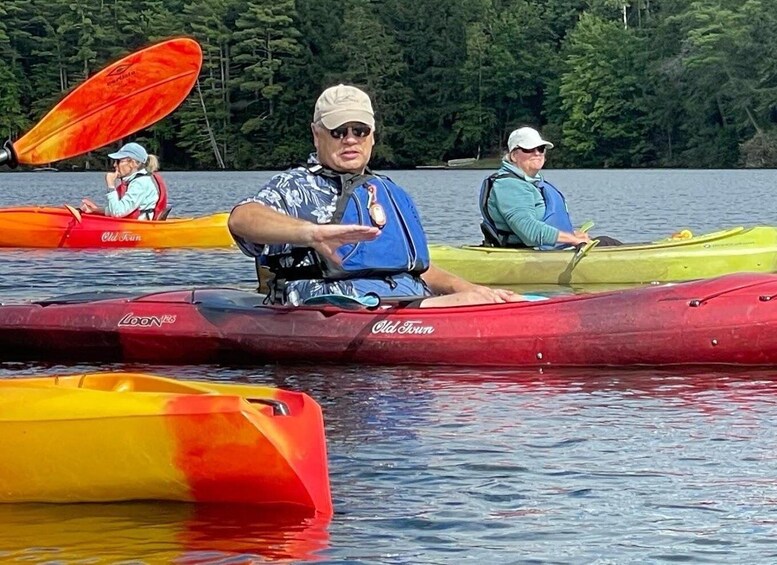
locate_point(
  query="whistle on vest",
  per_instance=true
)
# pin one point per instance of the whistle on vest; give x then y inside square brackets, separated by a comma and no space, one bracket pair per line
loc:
[376,211]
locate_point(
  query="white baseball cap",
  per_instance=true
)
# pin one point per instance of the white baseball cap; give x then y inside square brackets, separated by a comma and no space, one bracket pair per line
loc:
[526,138]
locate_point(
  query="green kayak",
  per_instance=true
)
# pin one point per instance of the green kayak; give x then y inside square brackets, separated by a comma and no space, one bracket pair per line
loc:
[667,260]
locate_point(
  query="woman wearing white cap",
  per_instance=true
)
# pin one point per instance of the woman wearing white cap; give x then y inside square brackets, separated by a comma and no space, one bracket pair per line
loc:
[519,207]
[134,188]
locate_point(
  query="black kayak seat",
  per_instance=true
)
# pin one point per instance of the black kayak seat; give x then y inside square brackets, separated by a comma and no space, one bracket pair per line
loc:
[227,298]
[164,213]
[490,237]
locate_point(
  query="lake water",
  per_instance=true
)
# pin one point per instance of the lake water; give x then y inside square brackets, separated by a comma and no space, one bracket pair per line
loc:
[439,465]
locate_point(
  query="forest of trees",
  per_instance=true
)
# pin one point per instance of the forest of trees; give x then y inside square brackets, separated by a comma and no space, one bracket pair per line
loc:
[613,83]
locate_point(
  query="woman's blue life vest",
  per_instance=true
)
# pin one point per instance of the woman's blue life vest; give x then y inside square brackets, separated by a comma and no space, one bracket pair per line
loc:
[400,248]
[556,213]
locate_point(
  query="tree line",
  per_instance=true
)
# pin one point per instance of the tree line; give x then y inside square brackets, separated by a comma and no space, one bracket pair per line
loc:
[613,83]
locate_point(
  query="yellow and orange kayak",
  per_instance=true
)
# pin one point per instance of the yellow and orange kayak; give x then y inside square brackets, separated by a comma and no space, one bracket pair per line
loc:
[67,227]
[104,437]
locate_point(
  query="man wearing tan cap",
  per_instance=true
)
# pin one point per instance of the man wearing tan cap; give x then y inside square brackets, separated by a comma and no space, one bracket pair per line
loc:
[333,228]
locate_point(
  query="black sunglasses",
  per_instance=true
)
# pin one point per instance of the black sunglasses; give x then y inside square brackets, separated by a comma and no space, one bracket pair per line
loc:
[356,131]
[540,149]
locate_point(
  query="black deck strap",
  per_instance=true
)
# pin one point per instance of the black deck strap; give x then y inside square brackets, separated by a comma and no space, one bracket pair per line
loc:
[83,297]
[230,298]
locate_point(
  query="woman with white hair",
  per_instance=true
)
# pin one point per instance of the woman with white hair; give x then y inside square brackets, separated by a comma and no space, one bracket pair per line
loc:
[520,208]
[134,188]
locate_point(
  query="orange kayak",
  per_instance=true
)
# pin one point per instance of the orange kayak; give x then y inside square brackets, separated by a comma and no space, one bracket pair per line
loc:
[105,437]
[67,227]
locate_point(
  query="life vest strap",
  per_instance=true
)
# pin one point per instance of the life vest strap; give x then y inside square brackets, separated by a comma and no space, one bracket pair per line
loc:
[492,235]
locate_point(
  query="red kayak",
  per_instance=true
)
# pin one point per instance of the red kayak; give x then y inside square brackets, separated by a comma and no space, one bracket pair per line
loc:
[727,320]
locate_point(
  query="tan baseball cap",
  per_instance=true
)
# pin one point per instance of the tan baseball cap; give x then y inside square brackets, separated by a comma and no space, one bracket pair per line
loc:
[341,104]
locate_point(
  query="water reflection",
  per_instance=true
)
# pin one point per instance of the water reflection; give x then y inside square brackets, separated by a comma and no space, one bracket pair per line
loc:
[727,386]
[156,533]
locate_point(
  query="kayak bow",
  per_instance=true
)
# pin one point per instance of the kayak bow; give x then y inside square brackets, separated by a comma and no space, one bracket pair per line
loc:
[129,436]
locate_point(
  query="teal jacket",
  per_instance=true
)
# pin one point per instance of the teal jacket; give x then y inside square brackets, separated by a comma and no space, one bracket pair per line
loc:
[517,206]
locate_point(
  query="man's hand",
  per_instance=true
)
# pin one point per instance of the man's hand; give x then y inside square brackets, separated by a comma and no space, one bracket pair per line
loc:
[326,238]
[496,295]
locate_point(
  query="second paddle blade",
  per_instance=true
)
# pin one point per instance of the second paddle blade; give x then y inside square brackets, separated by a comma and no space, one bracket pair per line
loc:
[127,96]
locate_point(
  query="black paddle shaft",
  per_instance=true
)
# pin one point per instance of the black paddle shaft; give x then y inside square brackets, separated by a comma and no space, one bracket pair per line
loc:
[8,155]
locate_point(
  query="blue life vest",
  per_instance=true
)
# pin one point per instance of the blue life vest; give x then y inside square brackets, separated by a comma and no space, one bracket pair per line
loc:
[556,213]
[401,247]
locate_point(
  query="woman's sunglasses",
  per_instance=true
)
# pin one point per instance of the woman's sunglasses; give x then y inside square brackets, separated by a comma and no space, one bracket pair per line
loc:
[356,131]
[540,150]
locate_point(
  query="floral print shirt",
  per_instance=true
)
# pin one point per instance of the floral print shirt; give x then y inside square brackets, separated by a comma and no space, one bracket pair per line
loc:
[299,193]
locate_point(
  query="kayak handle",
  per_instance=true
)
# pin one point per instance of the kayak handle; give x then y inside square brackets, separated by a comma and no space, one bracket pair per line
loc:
[75,212]
[278,408]
[582,251]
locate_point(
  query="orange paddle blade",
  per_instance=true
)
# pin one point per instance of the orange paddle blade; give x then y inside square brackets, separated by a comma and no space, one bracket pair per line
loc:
[125,97]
